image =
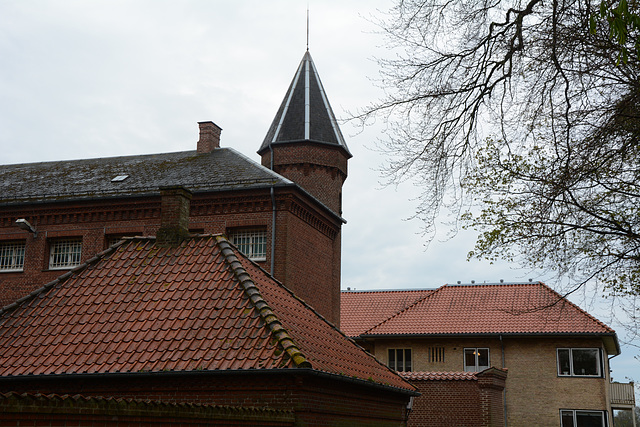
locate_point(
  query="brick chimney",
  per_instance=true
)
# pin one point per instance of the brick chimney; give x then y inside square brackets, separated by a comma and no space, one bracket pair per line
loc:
[174,210]
[209,137]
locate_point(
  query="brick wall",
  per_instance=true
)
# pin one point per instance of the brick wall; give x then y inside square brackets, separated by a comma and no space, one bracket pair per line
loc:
[453,352]
[321,169]
[534,389]
[459,402]
[313,399]
[55,410]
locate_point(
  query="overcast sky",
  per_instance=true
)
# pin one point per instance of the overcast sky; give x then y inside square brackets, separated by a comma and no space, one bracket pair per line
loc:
[100,78]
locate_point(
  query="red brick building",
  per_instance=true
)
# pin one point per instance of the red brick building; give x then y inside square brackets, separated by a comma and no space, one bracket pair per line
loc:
[284,214]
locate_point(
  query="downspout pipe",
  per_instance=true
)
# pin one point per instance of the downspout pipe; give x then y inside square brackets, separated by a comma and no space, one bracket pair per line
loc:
[273,218]
[504,391]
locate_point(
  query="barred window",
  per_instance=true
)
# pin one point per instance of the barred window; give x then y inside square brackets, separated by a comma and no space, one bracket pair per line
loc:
[65,253]
[436,354]
[112,240]
[251,242]
[12,256]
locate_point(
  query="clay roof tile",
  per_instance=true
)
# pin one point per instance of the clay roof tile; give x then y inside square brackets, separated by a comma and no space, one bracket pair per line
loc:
[514,308]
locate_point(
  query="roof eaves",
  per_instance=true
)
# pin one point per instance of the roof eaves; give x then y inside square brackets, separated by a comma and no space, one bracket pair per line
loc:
[142,192]
[389,290]
[269,317]
[605,336]
[325,207]
[489,334]
[357,380]
[260,166]
[288,183]
[312,141]
[439,376]
[197,373]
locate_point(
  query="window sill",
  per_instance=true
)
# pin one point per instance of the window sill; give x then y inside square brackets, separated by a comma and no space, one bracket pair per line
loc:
[60,268]
[580,376]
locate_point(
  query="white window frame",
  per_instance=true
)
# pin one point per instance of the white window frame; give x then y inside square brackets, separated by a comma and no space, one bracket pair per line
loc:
[574,413]
[571,372]
[65,253]
[476,367]
[252,242]
[395,363]
[12,256]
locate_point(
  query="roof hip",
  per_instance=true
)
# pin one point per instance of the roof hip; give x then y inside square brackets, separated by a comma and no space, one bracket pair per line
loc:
[253,293]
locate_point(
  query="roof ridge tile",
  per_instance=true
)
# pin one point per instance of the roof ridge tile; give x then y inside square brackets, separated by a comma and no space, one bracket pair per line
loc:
[253,293]
[303,302]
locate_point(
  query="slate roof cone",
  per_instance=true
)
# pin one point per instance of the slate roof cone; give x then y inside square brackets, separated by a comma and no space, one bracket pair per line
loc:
[304,142]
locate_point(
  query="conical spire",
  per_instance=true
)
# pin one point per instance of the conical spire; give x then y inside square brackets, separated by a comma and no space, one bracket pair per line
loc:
[305,113]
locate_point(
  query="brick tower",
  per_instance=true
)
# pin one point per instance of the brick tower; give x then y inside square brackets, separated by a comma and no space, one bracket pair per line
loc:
[304,142]
[305,145]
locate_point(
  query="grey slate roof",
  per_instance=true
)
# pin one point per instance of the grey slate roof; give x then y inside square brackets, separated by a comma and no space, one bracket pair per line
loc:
[222,169]
[305,113]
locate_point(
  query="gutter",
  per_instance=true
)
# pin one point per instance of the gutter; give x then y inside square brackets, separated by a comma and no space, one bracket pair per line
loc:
[273,219]
[273,230]
[504,390]
[189,374]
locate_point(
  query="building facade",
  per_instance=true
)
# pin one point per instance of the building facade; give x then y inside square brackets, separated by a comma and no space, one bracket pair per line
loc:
[555,355]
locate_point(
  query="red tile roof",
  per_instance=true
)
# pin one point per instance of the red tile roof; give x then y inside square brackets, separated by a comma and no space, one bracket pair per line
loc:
[139,307]
[528,308]
[362,310]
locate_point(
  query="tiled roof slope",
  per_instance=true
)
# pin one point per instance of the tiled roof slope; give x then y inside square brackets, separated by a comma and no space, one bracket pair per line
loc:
[221,169]
[529,308]
[362,310]
[201,306]
[305,113]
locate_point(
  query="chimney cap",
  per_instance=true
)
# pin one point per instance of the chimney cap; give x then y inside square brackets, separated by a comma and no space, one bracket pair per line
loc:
[209,122]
